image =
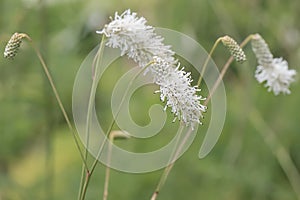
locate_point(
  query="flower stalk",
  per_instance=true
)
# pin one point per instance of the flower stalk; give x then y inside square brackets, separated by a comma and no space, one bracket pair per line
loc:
[11,50]
[112,136]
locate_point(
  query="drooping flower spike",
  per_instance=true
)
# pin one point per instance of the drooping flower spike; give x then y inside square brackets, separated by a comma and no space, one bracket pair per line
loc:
[13,45]
[176,90]
[135,39]
[235,50]
[273,72]
[139,41]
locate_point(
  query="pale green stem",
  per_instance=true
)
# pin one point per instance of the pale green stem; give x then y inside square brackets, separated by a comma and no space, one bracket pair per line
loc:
[56,95]
[216,84]
[90,104]
[207,60]
[109,129]
[95,68]
[83,173]
[112,136]
[278,150]
[224,70]
[171,165]
[113,121]
[167,170]
[107,170]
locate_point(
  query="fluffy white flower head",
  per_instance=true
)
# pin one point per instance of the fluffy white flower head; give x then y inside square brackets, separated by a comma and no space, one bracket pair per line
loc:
[176,90]
[139,41]
[273,71]
[134,38]
[277,77]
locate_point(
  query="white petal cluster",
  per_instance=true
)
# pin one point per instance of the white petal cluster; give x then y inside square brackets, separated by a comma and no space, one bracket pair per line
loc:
[277,78]
[135,39]
[274,72]
[176,90]
[139,41]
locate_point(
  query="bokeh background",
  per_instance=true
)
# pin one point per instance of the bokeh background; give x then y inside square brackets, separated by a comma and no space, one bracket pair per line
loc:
[38,158]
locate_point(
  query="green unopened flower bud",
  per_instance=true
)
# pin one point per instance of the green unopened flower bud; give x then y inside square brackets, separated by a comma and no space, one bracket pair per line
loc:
[13,45]
[235,50]
[261,50]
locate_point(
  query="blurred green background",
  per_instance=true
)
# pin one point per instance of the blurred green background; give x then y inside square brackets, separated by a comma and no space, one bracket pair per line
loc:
[38,158]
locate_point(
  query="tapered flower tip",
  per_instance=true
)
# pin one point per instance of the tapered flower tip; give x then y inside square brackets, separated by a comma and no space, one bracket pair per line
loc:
[261,50]
[13,45]
[235,50]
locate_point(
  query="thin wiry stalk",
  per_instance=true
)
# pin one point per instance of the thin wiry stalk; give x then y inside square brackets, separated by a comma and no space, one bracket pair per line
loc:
[96,62]
[112,124]
[112,136]
[105,139]
[56,95]
[215,86]
[167,170]
[206,61]
[94,75]
[224,70]
[83,173]
[107,170]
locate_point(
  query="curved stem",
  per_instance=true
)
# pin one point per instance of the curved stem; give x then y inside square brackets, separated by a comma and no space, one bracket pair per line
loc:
[224,70]
[167,170]
[220,78]
[95,67]
[110,126]
[85,174]
[56,96]
[216,84]
[207,59]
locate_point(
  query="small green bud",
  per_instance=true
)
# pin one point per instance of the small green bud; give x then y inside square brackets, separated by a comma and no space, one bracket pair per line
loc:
[235,50]
[13,45]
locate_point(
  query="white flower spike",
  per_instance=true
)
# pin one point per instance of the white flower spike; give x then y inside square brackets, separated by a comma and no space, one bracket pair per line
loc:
[136,39]
[273,71]
[139,41]
[176,89]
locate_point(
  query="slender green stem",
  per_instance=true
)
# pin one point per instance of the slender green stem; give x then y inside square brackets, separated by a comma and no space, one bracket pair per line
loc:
[83,172]
[206,61]
[95,68]
[111,124]
[220,78]
[85,175]
[117,113]
[224,70]
[107,170]
[278,150]
[169,166]
[168,169]
[216,84]
[56,96]
[112,136]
